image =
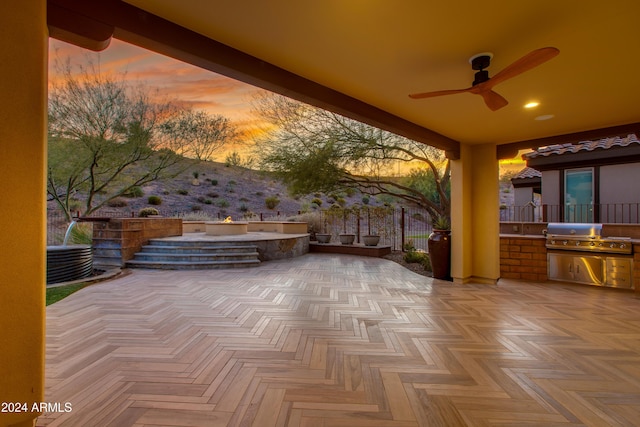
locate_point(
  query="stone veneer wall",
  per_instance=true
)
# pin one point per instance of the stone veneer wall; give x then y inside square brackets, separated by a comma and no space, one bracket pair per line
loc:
[523,258]
[117,240]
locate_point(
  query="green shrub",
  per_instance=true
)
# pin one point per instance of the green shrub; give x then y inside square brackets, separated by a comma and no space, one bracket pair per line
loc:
[118,202]
[154,200]
[196,174]
[317,201]
[145,212]
[243,208]
[182,192]
[415,256]
[134,192]
[271,202]
[366,199]
[222,203]
[214,182]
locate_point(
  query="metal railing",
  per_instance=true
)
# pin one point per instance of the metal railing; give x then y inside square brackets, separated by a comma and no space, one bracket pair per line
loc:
[607,213]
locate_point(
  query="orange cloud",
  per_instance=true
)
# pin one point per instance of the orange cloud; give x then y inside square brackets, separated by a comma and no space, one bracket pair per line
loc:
[190,85]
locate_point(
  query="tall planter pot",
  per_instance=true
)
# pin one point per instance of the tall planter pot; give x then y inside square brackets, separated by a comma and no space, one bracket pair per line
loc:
[439,244]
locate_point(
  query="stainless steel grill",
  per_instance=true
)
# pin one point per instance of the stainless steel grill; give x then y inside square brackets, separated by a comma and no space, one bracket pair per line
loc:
[579,253]
[585,237]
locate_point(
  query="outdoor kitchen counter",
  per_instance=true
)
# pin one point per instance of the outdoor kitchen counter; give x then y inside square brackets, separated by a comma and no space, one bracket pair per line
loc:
[523,257]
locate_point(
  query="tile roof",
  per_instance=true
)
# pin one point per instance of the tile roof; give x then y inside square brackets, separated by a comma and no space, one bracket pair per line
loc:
[527,173]
[601,144]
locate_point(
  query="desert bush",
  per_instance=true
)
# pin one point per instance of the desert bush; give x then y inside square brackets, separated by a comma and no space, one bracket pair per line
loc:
[317,201]
[196,208]
[182,192]
[243,208]
[271,202]
[134,192]
[145,212]
[154,200]
[213,195]
[366,199]
[214,182]
[118,202]
[81,234]
[223,203]
[197,216]
[313,220]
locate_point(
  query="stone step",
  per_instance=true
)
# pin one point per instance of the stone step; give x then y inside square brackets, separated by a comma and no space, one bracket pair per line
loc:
[196,243]
[196,254]
[200,249]
[191,265]
[194,257]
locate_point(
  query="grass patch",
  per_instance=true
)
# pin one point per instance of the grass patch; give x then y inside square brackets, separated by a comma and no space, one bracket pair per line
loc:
[55,294]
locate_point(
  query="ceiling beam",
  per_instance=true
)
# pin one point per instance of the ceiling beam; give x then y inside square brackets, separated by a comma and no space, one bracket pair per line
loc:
[509,151]
[138,27]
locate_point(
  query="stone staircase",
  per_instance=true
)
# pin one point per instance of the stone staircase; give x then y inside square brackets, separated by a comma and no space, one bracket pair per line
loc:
[195,255]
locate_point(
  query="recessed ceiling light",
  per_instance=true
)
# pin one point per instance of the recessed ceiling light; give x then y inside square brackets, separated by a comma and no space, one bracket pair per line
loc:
[532,104]
[544,117]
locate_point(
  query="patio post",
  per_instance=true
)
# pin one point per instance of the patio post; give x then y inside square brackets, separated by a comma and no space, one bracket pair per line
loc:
[475,211]
[23,116]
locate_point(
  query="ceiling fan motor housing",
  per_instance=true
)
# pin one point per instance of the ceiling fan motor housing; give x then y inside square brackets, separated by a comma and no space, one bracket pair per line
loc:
[480,62]
[481,77]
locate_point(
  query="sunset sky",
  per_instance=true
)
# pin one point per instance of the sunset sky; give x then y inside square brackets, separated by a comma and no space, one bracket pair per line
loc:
[200,88]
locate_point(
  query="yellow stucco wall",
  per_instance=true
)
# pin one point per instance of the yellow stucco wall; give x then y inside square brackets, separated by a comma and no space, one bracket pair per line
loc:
[23,83]
[475,242]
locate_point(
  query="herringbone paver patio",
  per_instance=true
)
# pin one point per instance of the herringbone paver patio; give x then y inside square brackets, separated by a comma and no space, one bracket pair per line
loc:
[326,340]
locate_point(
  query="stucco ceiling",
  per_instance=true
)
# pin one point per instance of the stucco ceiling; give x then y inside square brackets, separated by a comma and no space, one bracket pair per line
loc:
[379,51]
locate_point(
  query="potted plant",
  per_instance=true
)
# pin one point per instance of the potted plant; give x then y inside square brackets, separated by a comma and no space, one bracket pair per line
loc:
[347,238]
[439,244]
[371,239]
[375,223]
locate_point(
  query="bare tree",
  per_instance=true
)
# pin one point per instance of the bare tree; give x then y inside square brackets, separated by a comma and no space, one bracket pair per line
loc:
[102,139]
[316,150]
[198,134]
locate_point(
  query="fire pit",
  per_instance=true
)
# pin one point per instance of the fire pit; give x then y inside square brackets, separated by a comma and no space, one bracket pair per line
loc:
[225,228]
[579,253]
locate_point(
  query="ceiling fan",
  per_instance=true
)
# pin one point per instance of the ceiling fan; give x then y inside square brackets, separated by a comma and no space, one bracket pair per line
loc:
[483,84]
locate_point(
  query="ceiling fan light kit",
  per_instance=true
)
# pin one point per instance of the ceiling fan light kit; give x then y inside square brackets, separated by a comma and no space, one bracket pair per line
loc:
[483,84]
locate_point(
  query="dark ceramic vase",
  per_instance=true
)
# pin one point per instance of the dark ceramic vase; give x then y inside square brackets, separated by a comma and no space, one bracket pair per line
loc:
[440,254]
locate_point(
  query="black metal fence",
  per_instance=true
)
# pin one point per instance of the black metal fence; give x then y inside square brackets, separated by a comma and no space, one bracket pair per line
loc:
[395,226]
[607,213]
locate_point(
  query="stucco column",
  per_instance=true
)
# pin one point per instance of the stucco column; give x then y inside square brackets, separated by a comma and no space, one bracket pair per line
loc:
[475,226]
[23,114]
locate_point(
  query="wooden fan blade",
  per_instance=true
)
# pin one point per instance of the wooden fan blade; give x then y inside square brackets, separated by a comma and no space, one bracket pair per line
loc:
[527,62]
[437,93]
[493,100]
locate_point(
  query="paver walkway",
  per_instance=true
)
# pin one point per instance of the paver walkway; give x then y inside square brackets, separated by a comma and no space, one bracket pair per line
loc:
[327,340]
